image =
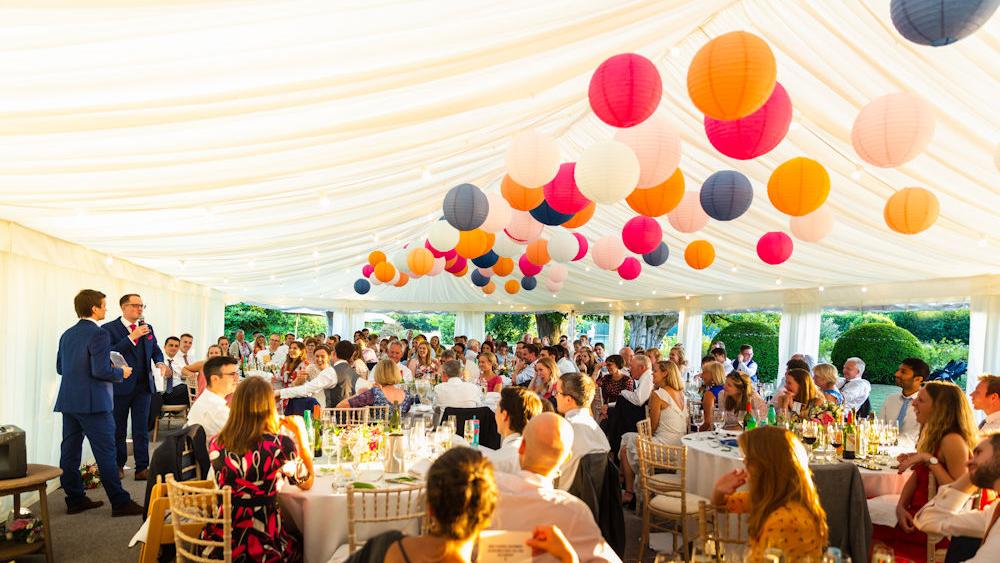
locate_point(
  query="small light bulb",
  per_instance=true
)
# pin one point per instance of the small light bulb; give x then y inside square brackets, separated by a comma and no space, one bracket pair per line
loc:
[581,303]
[324,202]
[315,254]
[425,173]
[687,297]
[777,281]
[654,292]
[636,303]
[982,242]
[864,290]
[856,175]
[587,269]
[675,52]
[620,282]
[720,298]
[109,260]
[794,126]
[821,288]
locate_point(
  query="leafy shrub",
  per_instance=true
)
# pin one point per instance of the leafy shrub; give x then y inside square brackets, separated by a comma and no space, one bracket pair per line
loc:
[762,337]
[938,353]
[882,347]
[935,325]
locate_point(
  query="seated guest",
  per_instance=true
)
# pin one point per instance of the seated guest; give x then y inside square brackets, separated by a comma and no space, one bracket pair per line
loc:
[986,398]
[627,354]
[423,365]
[197,368]
[489,379]
[783,505]
[713,377]
[394,352]
[309,360]
[252,457]
[565,365]
[290,369]
[668,421]
[947,436]
[737,393]
[719,355]
[614,381]
[348,380]
[546,376]
[585,361]
[525,366]
[170,389]
[641,370]
[677,356]
[631,405]
[795,363]
[946,514]
[275,353]
[854,388]
[825,378]
[436,347]
[453,391]
[574,395]
[516,407]
[800,393]
[528,499]
[210,410]
[744,362]
[357,360]
[384,392]
[223,343]
[314,389]
[259,344]
[897,409]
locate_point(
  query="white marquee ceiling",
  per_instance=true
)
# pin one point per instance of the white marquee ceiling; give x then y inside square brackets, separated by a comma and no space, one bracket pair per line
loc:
[264,148]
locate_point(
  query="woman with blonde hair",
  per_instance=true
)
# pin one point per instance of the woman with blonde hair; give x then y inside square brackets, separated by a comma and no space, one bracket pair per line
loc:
[436,348]
[713,377]
[259,344]
[947,437]
[677,356]
[252,457]
[800,393]
[738,393]
[782,502]
[825,378]
[546,375]
[423,365]
[384,391]
[488,376]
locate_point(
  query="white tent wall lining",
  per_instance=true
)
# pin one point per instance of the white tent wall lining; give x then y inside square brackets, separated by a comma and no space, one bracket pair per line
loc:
[39,276]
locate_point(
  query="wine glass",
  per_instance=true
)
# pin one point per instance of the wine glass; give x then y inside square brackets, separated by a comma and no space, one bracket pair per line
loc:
[358,448]
[718,420]
[809,435]
[399,453]
[330,443]
[835,436]
[698,418]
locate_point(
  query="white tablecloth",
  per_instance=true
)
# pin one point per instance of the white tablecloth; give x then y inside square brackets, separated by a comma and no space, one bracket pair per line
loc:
[706,462]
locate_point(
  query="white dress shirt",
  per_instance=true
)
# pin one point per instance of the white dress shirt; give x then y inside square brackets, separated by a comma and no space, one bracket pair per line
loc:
[528,500]
[566,366]
[643,389]
[526,375]
[855,392]
[991,424]
[506,459]
[909,430]
[277,357]
[175,363]
[946,515]
[588,438]
[325,379]
[749,368]
[457,393]
[210,411]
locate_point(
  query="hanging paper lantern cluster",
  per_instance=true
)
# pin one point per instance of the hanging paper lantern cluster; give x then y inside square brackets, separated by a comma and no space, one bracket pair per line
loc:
[657,146]
[798,186]
[642,234]
[442,236]
[582,248]
[937,23]
[538,252]
[893,129]
[486,260]
[511,286]
[660,199]
[523,228]
[625,90]
[527,267]
[756,134]
[911,210]
[699,254]
[562,246]
[420,261]
[609,252]
[607,171]
[774,247]
[688,216]
[362,286]
[814,226]
[465,207]
[732,76]
[581,218]
[561,193]
[532,159]
[545,215]
[519,197]
[499,213]
[529,283]
[726,195]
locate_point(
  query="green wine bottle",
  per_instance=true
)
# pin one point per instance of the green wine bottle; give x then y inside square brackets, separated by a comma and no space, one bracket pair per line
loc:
[749,420]
[772,416]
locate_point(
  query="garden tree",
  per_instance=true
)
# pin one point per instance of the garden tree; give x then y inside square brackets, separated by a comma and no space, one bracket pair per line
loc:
[648,330]
[442,323]
[764,339]
[714,322]
[253,318]
[509,327]
[882,346]
[934,325]
[550,324]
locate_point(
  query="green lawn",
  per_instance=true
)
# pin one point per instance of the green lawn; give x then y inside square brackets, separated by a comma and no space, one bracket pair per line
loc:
[878,395]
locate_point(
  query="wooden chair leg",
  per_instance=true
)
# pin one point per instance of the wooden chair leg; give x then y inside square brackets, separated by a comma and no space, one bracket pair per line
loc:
[156,427]
[43,504]
[644,538]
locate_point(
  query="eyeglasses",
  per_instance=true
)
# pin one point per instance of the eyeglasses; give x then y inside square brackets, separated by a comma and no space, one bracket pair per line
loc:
[139,306]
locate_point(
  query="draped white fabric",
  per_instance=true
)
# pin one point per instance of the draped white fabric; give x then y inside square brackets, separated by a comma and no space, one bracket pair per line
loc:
[616,332]
[799,330]
[39,276]
[471,324]
[264,148]
[689,333]
[984,336]
[347,320]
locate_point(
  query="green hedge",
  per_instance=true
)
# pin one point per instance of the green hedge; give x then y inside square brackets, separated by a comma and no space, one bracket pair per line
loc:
[762,337]
[881,346]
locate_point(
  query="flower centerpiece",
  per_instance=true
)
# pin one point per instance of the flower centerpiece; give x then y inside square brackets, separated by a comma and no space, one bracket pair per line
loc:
[91,476]
[22,529]
[373,436]
[826,414]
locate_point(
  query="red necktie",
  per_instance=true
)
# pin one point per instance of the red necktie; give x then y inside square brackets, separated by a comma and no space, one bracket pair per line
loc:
[132,328]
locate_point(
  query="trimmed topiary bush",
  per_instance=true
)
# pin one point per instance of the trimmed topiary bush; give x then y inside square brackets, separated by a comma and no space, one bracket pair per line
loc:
[762,337]
[882,347]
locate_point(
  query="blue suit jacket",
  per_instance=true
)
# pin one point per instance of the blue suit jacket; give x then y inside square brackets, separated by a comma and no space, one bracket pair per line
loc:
[131,352]
[84,362]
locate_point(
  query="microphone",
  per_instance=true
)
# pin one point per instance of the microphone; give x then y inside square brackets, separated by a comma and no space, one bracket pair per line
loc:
[142,322]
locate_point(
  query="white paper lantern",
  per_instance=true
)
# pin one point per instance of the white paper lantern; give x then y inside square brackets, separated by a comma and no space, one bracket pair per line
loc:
[399,260]
[443,236]
[439,264]
[562,246]
[499,213]
[503,246]
[395,278]
[607,172]
[523,228]
[812,227]
[532,159]
[657,145]
[688,216]
[609,252]
[893,129]
[557,272]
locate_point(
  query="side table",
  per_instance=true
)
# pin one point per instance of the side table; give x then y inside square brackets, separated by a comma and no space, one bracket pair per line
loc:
[36,480]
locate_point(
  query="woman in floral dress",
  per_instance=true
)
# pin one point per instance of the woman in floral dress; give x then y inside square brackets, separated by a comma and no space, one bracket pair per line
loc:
[254,460]
[423,365]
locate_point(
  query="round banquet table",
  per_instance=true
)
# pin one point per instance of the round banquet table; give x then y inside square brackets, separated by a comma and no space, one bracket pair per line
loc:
[707,460]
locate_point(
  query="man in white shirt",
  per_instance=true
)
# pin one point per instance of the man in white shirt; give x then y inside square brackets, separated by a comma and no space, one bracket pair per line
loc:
[516,407]
[745,362]
[525,367]
[396,355]
[316,387]
[643,382]
[574,395]
[627,354]
[986,398]
[898,407]
[472,351]
[528,499]
[946,514]
[453,391]
[854,388]
[187,341]
[170,387]
[210,409]
[274,354]
[564,364]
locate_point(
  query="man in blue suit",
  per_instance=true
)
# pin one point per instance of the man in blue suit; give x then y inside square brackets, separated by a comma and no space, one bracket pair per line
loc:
[85,401]
[134,340]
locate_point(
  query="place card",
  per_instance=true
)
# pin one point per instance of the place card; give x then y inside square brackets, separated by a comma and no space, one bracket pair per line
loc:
[496,546]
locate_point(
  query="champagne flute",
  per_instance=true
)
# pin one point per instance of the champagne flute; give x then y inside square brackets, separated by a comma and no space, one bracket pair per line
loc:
[718,420]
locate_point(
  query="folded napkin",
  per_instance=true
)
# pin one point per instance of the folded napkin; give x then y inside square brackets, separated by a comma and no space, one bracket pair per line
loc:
[419,468]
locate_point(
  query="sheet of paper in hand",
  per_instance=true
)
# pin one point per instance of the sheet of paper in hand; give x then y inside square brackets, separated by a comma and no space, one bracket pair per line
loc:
[496,546]
[117,360]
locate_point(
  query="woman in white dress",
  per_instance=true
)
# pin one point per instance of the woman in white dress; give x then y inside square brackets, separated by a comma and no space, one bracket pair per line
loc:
[668,421]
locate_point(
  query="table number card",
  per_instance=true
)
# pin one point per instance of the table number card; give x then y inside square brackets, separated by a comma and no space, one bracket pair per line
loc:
[497,546]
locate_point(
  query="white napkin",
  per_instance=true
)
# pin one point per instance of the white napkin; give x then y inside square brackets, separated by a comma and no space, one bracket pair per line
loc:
[882,510]
[497,546]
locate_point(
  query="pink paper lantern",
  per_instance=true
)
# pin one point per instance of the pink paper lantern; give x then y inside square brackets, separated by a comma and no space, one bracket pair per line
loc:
[367,270]
[609,252]
[657,145]
[553,286]
[457,266]
[774,247]
[812,227]
[688,216]
[528,267]
[523,228]
[557,272]
[584,246]
[893,129]
[642,234]
[562,194]
[439,264]
[755,134]
[630,269]
[499,214]
[485,272]
[625,90]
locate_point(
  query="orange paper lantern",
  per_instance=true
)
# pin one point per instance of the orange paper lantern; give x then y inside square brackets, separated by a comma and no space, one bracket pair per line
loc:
[490,287]
[911,210]
[520,197]
[403,278]
[538,252]
[462,272]
[512,286]
[504,266]
[699,254]
[660,199]
[799,186]
[420,261]
[375,257]
[384,272]
[581,218]
[732,76]
[474,243]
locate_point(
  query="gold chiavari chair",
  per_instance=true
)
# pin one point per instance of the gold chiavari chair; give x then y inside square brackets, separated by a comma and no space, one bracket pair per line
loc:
[724,534]
[664,502]
[191,509]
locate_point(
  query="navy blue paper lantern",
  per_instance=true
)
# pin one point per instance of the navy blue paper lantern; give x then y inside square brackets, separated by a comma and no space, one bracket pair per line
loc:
[362,286]
[545,215]
[658,256]
[726,195]
[486,260]
[940,22]
[529,283]
[465,207]
[478,279]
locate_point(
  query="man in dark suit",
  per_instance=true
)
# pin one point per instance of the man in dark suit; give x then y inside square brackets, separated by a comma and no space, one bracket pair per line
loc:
[86,401]
[347,378]
[134,339]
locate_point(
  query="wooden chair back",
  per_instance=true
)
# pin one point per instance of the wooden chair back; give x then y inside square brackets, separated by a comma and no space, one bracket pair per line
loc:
[192,386]
[377,414]
[393,508]
[345,418]
[160,532]
[645,428]
[724,534]
[191,509]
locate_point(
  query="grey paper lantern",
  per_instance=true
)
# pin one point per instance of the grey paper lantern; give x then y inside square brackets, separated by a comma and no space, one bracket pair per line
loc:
[529,282]
[658,256]
[465,207]
[937,23]
[362,286]
[726,195]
